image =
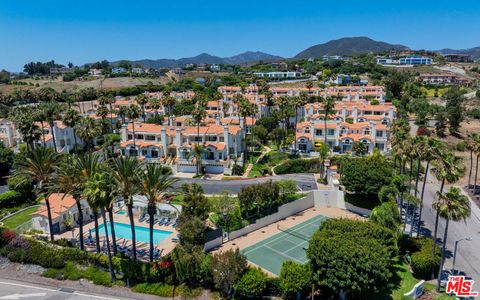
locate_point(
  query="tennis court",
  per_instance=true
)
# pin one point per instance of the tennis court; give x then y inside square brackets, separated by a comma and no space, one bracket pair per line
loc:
[289,244]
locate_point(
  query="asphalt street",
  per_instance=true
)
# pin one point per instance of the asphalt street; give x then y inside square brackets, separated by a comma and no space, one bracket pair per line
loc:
[12,290]
[305,182]
[468,252]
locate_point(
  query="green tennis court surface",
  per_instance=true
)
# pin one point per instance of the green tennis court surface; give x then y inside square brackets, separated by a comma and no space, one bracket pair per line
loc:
[286,245]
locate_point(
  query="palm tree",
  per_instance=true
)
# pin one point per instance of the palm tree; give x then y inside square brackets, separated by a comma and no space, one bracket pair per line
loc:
[246,109]
[70,119]
[40,165]
[122,113]
[141,100]
[52,112]
[39,116]
[447,168]
[154,184]
[87,130]
[199,113]
[25,124]
[298,102]
[431,151]
[476,140]
[197,153]
[471,146]
[101,190]
[107,99]
[328,105]
[452,206]
[126,171]
[168,102]
[284,105]
[133,113]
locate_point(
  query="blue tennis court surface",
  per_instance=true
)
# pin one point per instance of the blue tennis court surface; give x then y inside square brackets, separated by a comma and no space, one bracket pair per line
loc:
[270,253]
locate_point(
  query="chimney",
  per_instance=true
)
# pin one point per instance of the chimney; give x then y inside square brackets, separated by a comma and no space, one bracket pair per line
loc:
[226,139]
[178,140]
[164,141]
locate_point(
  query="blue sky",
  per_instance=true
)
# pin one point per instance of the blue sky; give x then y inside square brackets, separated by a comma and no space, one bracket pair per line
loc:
[86,31]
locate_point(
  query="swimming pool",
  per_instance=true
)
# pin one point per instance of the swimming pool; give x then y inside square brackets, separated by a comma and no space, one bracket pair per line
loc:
[142,234]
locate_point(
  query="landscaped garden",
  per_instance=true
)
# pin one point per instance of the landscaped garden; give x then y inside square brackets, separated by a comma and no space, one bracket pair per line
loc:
[19,218]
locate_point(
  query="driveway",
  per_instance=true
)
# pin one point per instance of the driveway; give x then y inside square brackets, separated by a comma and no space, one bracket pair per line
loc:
[305,182]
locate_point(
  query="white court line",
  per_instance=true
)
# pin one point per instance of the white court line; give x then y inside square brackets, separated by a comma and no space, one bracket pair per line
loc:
[282,253]
[308,223]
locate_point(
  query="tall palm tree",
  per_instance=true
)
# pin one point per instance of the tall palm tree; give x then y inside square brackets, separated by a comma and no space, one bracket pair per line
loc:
[122,113]
[284,105]
[168,102]
[299,101]
[433,150]
[40,165]
[39,116]
[132,114]
[197,153]
[154,184]
[141,100]
[126,171]
[87,130]
[452,206]
[246,109]
[25,124]
[52,111]
[328,105]
[447,168]
[471,146]
[476,140]
[101,189]
[70,118]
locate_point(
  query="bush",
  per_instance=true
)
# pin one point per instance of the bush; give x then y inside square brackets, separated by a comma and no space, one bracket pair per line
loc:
[72,272]
[294,279]
[21,184]
[10,199]
[299,166]
[238,170]
[423,262]
[475,112]
[158,289]
[461,146]
[252,284]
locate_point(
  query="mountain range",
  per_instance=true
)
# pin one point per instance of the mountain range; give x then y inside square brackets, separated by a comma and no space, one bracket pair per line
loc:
[205,58]
[344,46]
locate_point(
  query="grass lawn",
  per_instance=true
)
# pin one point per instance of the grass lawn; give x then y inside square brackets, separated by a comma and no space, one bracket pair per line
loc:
[408,282]
[20,218]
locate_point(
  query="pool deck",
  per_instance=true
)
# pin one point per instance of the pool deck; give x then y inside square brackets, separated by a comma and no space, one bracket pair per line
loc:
[270,230]
[167,244]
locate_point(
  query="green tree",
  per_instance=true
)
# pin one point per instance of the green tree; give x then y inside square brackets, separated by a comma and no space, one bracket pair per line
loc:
[87,130]
[227,268]
[40,166]
[454,107]
[252,284]
[359,148]
[387,215]
[294,279]
[71,118]
[133,114]
[338,243]
[126,172]
[155,185]
[197,153]
[452,206]
[100,189]
[195,203]
[328,106]
[6,160]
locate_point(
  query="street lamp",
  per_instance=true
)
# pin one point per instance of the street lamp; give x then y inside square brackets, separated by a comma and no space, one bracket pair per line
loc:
[455,252]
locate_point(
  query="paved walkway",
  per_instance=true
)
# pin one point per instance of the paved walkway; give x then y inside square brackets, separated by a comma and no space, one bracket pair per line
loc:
[250,165]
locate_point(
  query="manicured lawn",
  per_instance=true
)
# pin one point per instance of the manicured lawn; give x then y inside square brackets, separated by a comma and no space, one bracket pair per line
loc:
[20,218]
[408,282]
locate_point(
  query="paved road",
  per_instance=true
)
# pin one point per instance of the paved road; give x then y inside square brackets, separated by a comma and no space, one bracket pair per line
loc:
[10,289]
[468,253]
[305,182]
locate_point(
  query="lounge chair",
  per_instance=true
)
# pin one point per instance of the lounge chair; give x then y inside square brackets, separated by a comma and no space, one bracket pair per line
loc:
[169,221]
[142,218]
[157,253]
[175,239]
[141,252]
[162,221]
[175,223]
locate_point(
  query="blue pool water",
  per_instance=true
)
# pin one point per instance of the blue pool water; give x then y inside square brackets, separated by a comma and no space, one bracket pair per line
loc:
[121,212]
[142,234]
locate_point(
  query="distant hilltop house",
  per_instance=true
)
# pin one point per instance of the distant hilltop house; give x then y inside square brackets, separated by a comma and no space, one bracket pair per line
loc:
[463,58]
[278,74]
[119,70]
[334,57]
[138,70]
[409,60]
[215,68]
[178,71]
[95,72]
[443,79]
[342,79]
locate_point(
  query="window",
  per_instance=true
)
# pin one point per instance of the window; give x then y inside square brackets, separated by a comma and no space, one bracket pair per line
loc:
[139,136]
[379,133]
[331,132]
[222,139]
[318,132]
[149,137]
[130,137]
[144,152]
[307,129]
[220,155]
[366,131]
[154,153]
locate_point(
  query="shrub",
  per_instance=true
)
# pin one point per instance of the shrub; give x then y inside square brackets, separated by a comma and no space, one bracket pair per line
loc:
[10,199]
[238,170]
[72,272]
[299,166]
[294,278]
[423,262]
[252,284]
[21,184]
[461,146]
[158,289]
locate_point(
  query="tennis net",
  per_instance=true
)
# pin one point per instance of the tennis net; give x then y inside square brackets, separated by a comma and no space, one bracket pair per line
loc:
[293,233]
